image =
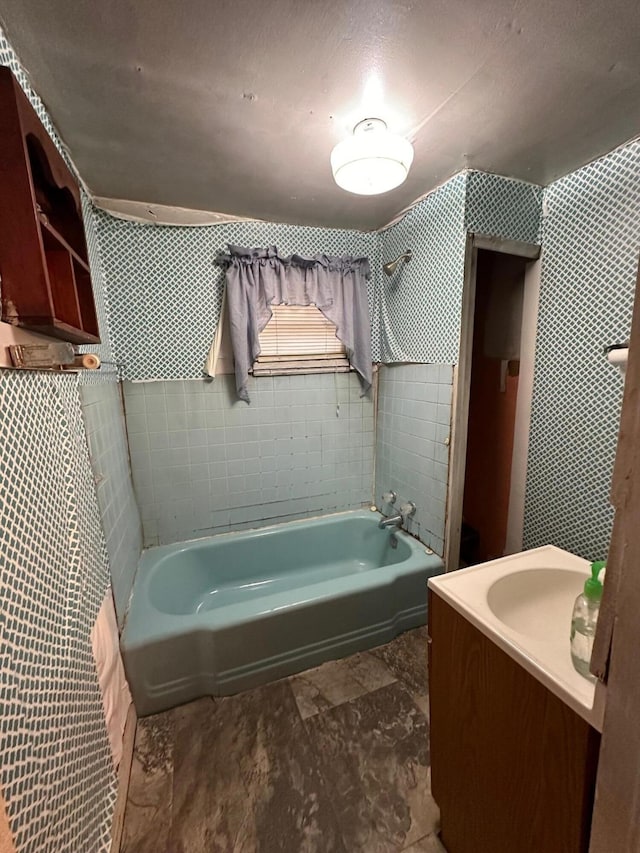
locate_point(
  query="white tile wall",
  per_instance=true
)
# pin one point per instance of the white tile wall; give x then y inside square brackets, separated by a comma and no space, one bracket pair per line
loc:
[105,427]
[204,462]
[412,452]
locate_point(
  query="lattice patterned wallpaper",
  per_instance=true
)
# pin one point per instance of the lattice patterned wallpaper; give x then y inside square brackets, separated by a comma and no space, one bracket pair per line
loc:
[163,287]
[417,310]
[591,238]
[503,207]
[55,762]
[108,371]
[56,767]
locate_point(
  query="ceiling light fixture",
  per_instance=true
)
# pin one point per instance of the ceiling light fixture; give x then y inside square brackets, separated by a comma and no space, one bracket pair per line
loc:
[373,160]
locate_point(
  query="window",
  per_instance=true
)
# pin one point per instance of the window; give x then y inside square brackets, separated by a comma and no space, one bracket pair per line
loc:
[299,339]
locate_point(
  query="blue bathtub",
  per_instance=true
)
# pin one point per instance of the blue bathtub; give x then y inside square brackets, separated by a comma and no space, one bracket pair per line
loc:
[218,615]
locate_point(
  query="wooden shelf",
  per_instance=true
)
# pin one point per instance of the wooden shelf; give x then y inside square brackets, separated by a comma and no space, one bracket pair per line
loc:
[55,328]
[49,233]
[46,281]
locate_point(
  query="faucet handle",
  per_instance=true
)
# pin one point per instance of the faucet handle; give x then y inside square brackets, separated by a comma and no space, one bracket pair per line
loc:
[407,510]
[389,497]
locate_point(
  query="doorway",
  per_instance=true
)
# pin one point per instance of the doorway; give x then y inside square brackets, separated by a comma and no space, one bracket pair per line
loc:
[493,394]
[493,387]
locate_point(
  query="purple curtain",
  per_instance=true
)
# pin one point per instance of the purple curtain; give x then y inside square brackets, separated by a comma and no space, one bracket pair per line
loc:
[258,278]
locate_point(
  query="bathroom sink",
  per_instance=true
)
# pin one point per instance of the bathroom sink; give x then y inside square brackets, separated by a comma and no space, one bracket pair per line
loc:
[537,602]
[523,603]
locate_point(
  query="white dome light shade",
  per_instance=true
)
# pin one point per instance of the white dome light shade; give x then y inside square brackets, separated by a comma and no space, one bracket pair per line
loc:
[373,160]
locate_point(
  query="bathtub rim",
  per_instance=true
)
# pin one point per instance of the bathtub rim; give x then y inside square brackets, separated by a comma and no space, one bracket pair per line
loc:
[250,532]
[162,625]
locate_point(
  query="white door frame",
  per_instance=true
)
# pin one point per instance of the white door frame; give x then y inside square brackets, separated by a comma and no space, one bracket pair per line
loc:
[515,518]
[462,388]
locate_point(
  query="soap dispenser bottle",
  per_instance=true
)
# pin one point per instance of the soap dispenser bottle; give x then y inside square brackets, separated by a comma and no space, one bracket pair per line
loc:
[584,620]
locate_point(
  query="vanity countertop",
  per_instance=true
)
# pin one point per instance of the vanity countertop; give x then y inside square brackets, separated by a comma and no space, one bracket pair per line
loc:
[524,603]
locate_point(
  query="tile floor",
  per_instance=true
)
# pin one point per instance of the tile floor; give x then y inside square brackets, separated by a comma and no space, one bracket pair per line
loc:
[333,760]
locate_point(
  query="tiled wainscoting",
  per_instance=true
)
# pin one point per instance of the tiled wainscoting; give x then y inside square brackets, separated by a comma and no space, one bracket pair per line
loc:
[106,436]
[412,449]
[204,462]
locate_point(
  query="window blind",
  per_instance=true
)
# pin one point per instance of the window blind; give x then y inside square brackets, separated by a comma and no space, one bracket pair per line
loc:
[299,339]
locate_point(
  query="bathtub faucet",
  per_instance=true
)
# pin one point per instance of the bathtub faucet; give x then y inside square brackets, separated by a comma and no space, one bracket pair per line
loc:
[392,521]
[407,510]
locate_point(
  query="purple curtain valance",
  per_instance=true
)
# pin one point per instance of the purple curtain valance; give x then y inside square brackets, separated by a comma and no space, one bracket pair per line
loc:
[259,278]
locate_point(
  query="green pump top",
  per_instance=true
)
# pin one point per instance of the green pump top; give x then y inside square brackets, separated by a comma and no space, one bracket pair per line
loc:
[592,586]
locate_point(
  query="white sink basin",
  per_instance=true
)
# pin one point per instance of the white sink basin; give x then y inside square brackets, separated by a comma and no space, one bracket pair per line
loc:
[524,604]
[536,602]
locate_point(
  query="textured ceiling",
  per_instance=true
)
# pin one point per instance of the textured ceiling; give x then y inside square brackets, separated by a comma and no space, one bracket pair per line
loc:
[235,106]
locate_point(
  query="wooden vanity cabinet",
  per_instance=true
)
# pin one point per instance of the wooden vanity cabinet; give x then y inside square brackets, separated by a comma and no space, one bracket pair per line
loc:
[513,767]
[46,284]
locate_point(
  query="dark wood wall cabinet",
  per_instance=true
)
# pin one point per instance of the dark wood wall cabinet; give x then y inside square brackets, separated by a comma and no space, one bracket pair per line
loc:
[44,266]
[513,767]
